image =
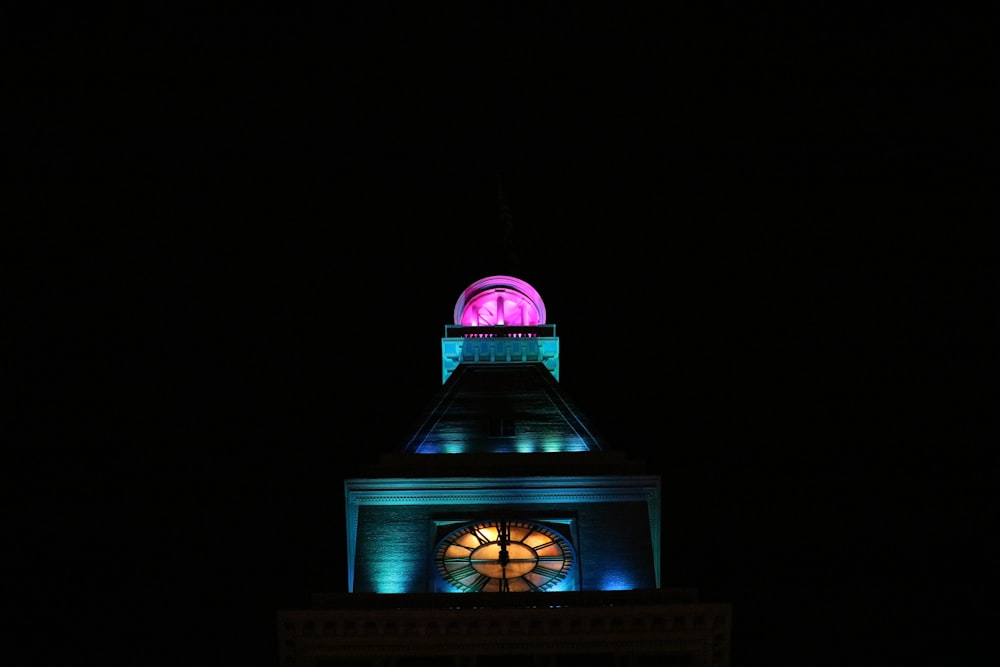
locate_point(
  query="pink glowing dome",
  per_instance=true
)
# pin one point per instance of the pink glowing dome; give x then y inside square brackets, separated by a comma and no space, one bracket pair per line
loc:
[498,301]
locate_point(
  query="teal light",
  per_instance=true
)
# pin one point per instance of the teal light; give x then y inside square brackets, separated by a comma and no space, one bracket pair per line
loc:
[525,446]
[561,445]
[616,581]
[397,575]
[567,584]
[520,445]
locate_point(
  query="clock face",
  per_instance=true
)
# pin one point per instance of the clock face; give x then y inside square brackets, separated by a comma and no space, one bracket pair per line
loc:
[504,556]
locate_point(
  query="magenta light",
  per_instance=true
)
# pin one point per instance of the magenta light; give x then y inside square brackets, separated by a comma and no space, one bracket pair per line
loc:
[499,301]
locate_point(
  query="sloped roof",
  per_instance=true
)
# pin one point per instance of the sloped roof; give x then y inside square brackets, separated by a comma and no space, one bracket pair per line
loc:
[501,408]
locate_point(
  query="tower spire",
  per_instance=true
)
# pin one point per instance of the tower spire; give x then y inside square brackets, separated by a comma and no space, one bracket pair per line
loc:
[510,256]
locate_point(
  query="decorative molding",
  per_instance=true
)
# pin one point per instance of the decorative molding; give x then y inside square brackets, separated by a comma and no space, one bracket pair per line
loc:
[446,498]
[525,482]
[701,629]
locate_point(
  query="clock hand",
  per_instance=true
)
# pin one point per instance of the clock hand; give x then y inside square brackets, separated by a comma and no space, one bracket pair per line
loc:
[503,539]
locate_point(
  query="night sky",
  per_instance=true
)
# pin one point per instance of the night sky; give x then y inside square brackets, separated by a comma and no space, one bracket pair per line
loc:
[241,232]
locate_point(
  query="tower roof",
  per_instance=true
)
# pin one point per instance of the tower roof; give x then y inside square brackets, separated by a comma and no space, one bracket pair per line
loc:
[502,408]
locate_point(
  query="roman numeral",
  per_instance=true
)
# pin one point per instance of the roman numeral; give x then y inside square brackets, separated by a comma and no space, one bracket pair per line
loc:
[551,559]
[462,572]
[545,572]
[478,583]
[529,584]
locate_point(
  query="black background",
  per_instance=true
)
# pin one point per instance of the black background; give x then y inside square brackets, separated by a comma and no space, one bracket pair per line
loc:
[238,230]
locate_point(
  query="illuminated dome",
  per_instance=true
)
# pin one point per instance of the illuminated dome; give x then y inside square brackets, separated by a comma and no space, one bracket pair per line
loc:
[498,301]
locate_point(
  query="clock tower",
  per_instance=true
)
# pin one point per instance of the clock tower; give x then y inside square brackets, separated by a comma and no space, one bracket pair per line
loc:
[505,528]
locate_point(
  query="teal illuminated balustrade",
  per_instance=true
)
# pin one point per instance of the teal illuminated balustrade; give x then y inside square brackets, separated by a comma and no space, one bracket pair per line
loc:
[499,344]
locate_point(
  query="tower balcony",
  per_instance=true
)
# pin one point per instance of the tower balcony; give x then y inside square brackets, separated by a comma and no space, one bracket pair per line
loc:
[499,344]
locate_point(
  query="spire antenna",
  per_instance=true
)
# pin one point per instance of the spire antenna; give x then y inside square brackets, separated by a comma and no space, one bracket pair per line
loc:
[507,222]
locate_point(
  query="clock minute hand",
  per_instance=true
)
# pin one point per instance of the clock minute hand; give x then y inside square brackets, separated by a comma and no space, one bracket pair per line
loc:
[503,539]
